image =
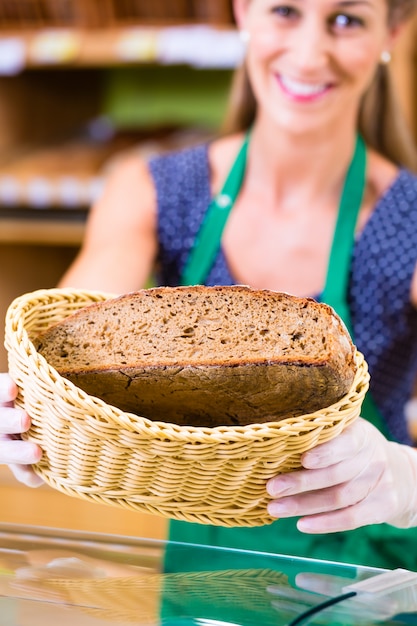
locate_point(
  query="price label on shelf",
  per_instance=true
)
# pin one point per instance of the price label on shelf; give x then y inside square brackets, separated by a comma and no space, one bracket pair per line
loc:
[70,191]
[9,191]
[138,44]
[39,192]
[12,55]
[54,47]
[200,46]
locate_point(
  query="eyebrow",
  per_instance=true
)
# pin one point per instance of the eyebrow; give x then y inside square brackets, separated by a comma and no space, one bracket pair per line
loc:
[348,3]
[355,4]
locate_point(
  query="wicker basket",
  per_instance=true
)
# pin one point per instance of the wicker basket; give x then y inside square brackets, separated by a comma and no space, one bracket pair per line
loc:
[96,452]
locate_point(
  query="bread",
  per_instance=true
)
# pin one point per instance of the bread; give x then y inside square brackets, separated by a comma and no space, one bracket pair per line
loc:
[206,356]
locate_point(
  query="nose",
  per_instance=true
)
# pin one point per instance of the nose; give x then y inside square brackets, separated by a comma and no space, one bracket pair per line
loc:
[311,46]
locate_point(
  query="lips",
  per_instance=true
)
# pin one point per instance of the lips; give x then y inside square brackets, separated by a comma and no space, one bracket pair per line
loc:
[300,90]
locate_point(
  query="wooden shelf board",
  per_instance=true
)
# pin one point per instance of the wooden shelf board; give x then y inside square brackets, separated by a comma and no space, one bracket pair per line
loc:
[41,231]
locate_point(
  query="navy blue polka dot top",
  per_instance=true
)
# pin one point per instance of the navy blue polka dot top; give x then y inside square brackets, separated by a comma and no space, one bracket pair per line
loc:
[384,259]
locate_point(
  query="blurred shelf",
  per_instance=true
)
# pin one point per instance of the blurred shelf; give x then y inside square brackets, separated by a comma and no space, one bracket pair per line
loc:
[42,227]
[199,45]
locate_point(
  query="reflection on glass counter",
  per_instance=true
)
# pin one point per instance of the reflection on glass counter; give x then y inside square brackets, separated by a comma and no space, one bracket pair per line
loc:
[50,577]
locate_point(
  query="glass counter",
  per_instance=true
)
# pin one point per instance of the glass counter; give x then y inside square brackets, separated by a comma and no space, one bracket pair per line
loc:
[66,578]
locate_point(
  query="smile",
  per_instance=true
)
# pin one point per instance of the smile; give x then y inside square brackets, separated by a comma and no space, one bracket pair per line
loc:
[302,90]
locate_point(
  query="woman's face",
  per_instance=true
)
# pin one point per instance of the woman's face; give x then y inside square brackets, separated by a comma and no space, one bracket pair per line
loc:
[310,61]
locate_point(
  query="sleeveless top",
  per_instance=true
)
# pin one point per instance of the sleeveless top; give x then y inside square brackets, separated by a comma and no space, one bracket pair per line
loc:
[383,263]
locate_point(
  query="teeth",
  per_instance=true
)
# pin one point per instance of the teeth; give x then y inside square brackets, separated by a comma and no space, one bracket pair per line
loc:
[301,89]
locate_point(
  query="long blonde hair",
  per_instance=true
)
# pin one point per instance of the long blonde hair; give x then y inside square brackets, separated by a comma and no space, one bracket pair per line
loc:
[381,121]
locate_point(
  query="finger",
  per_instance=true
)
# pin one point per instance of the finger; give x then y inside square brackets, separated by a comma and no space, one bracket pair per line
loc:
[349,443]
[17,451]
[371,510]
[13,421]
[26,475]
[8,389]
[301,481]
[328,499]
[335,522]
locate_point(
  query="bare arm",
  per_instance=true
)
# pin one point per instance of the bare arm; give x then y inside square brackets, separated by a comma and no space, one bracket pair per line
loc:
[120,244]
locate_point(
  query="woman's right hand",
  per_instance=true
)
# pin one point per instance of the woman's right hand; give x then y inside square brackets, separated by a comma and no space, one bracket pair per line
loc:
[17,454]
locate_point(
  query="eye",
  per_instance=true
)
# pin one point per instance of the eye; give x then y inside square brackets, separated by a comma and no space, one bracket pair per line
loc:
[284,11]
[344,21]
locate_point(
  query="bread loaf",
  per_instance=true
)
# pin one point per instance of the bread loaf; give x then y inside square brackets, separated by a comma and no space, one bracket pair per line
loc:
[206,356]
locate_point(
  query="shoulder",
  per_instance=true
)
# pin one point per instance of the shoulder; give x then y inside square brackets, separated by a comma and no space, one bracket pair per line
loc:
[129,169]
[221,155]
[128,199]
[390,185]
[121,222]
[383,174]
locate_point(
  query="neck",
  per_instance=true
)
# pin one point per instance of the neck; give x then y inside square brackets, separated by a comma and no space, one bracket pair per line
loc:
[303,169]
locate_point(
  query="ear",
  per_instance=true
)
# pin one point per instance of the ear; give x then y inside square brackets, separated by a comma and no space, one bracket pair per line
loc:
[395,32]
[240,9]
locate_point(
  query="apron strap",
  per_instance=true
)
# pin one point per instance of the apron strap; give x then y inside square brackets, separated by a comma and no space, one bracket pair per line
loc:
[207,242]
[337,279]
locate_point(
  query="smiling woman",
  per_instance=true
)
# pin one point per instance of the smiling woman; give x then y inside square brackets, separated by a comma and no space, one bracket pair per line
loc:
[359,33]
[310,190]
[320,61]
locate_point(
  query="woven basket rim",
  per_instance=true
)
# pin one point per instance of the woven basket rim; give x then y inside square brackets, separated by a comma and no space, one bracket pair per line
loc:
[17,338]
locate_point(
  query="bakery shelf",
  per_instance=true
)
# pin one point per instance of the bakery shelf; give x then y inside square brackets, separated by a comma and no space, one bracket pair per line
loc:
[46,227]
[217,47]
[104,13]
[70,175]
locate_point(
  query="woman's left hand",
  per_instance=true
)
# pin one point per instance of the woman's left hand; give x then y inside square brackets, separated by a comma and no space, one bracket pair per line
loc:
[357,478]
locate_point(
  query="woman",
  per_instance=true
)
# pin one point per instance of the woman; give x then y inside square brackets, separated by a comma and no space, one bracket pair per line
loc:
[315,212]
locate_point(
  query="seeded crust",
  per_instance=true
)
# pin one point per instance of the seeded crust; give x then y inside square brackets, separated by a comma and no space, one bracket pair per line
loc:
[206,356]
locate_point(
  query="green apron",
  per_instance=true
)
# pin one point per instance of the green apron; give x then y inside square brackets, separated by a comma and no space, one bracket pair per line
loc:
[377,545]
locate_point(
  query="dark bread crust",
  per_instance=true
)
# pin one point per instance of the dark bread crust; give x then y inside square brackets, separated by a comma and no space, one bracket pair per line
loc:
[206,356]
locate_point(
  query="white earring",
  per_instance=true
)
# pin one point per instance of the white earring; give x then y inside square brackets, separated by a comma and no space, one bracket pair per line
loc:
[244,36]
[385,57]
